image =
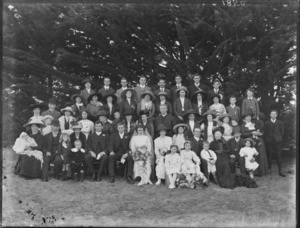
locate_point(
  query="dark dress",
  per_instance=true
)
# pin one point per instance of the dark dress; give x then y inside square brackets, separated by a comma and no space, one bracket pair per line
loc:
[261,158]
[65,152]
[77,161]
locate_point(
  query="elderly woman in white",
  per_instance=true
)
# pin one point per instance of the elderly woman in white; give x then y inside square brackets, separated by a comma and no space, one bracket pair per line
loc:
[140,145]
[161,146]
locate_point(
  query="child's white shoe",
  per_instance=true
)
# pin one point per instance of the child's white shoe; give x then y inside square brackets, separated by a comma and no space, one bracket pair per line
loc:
[158,182]
[171,186]
[141,183]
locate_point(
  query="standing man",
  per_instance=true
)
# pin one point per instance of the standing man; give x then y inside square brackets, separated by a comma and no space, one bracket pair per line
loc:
[106,88]
[216,91]
[87,91]
[97,150]
[141,88]
[196,85]
[119,151]
[162,88]
[274,132]
[178,81]
[124,84]
[51,111]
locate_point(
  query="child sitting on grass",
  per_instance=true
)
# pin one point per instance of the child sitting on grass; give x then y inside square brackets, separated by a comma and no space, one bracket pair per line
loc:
[172,164]
[77,161]
[249,152]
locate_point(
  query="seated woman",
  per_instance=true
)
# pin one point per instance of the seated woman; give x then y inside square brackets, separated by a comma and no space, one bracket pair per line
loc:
[30,160]
[208,125]
[94,106]
[224,121]
[217,106]
[252,128]
[147,104]
[163,99]
[140,145]
[180,135]
[87,125]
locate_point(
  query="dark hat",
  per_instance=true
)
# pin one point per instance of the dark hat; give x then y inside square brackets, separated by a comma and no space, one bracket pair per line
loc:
[77,125]
[163,93]
[52,101]
[216,80]
[123,94]
[236,129]
[99,95]
[261,116]
[199,91]
[221,117]
[187,141]
[73,97]
[143,112]
[249,113]
[216,95]
[221,129]
[34,106]
[86,80]
[174,145]
[211,112]
[128,113]
[175,128]
[102,113]
[191,111]
[161,127]
[152,97]
[55,122]
[250,140]
[114,97]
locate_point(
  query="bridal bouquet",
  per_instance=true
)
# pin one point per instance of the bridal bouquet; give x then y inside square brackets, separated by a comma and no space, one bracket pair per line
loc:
[141,155]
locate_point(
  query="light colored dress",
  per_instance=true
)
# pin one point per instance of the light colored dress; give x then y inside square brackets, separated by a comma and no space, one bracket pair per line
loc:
[62,124]
[211,158]
[219,108]
[190,162]
[179,140]
[227,131]
[248,153]
[141,168]
[172,163]
[87,127]
[161,144]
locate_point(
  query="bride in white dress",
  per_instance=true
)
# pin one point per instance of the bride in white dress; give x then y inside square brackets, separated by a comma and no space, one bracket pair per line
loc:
[141,147]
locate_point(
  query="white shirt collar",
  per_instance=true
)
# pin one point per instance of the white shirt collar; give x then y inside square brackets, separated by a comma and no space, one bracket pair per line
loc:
[164,115]
[121,135]
[196,138]
[123,88]
[106,87]
[98,133]
[197,84]
[142,86]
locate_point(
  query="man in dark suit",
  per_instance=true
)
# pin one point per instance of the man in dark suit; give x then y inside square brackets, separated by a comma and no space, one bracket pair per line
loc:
[178,81]
[190,120]
[233,110]
[234,145]
[106,88]
[97,150]
[77,135]
[50,148]
[119,151]
[162,88]
[196,85]
[216,91]
[181,104]
[165,119]
[107,127]
[196,141]
[274,132]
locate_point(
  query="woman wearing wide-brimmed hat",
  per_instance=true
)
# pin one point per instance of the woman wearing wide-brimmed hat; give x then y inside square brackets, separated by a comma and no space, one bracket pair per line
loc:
[180,134]
[67,119]
[147,103]
[252,128]
[181,104]
[29,147]
[110,106]
[94,106]
[87,91]
[217,106]
[146,122]
[163,98]
[208,125]
[199,102]
[77,134]
[78,105]
[128,103]
[224,121]
[36,109]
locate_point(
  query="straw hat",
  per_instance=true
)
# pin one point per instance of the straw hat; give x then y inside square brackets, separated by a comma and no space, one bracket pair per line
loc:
[47,117]
[221,117]
[77,126]
[163,93]
[35,121]
[211,112]
[250,140]
[152,97]
[182,88]
[67,109]
[175,128]
[67,132]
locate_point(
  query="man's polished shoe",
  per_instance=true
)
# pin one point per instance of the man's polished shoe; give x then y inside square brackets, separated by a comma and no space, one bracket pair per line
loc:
[281,174]
[111,180]
[130,180]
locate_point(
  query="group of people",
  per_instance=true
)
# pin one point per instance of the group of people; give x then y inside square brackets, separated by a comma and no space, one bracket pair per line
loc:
[182,136]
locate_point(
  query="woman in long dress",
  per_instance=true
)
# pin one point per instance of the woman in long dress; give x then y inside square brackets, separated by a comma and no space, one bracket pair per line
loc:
[87,125]
[29,148]
[141,147]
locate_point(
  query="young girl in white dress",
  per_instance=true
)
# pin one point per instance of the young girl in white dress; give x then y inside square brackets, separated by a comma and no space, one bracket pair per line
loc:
[172,164]
[87,125]
[190,163]
[249,152]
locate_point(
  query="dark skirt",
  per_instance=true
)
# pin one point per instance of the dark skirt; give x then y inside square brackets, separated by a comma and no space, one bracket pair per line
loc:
[224,176]
[261,159]
[28,167]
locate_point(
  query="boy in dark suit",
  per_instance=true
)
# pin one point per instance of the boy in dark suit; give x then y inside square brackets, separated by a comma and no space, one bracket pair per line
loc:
[274,132]
[233,110]
[119,151]
[162,88]
[77,161]
[106,88]
[216,91]
[196,85]
[178,81]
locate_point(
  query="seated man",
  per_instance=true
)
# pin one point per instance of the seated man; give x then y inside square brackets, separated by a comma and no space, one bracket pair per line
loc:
[119,151]
[97,149]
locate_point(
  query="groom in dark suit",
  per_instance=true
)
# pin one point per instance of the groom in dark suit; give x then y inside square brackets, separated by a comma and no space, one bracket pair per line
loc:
[274,132]
[119,151]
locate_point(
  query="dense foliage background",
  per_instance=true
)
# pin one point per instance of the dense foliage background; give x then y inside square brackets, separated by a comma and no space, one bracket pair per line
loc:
[49,48]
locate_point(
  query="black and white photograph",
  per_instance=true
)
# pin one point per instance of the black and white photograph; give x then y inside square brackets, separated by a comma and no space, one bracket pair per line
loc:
[150,114]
